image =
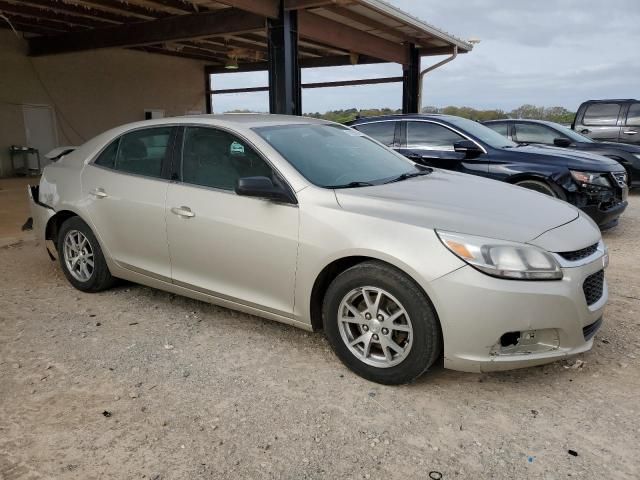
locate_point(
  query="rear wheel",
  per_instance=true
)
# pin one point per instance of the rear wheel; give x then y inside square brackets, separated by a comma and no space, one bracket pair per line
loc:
[81,258]
[381,324]
[538,186]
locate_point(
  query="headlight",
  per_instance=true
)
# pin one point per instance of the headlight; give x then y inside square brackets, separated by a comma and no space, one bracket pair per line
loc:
[503,259]
[591,178]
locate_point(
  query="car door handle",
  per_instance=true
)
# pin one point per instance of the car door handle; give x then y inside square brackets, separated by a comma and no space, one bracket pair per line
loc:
[585,130]
[98,193]
[183,212]
[630,132]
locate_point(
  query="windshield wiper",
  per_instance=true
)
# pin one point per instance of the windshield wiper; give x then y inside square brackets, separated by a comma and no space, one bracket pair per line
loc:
[351,185]
[406,176]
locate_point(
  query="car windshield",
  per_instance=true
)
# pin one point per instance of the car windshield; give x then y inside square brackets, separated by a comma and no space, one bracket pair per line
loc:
[333,156]
[575,136]
[481,132]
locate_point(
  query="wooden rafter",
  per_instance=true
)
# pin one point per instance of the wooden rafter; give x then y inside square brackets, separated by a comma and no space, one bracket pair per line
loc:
[176,28]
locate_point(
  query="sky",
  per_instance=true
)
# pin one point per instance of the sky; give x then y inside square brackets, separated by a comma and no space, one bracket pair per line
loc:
[547,53]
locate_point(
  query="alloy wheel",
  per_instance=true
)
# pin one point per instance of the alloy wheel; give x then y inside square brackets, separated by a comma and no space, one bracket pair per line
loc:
[78,255]
[375,327]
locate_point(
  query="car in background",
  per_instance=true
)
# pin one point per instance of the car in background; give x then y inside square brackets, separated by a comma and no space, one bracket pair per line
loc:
[313,224]
[595,184]
[540,132]
[609,120]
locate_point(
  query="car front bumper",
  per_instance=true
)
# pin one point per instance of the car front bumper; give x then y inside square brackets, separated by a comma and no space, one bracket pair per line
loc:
[477,312]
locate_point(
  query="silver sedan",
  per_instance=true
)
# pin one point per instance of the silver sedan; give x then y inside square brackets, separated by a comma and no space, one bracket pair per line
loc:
[316,225]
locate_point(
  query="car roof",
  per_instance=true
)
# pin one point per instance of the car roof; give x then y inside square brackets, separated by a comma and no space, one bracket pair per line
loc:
[524,120]
[238,120]
[610,100]
[401,116]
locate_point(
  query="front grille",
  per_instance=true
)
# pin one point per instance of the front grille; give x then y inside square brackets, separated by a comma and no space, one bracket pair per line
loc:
[579,254]
[620,178]
[590,330]
[593,286]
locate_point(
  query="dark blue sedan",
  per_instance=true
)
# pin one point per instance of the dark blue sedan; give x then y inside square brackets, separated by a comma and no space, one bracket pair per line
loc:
[591,182]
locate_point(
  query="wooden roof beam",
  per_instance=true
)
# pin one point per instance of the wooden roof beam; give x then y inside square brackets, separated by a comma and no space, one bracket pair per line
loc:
[339,35]
[181,27]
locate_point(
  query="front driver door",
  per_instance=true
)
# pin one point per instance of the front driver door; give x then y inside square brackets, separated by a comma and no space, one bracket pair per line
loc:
[241,249]
[125,192]
[430,143]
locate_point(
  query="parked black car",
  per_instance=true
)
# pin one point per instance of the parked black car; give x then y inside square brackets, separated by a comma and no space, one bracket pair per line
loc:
[609,120]
[549,133]
[593,183]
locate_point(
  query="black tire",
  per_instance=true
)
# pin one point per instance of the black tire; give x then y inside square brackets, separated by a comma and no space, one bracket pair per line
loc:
[100,278]
[539,186]
[427,336]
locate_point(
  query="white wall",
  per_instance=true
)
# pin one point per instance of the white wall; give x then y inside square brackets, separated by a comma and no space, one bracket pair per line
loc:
[91,91]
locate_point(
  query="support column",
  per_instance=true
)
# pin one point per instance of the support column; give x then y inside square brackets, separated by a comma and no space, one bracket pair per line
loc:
[411,81]
[207,91]
[285,89]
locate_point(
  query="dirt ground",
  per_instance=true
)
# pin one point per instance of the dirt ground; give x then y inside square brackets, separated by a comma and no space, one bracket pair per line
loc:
[137,383]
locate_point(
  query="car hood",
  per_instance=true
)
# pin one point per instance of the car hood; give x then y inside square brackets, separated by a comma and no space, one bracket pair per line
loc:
[461,203]
[578,160]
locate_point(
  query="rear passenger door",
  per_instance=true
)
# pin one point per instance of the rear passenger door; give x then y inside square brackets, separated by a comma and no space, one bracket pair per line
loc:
[125,188]
[631,129]
[430,143]
[602,122]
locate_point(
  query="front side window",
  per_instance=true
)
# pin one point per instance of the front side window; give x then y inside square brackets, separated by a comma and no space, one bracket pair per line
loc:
[217,159]
[633,117]
[334,156]
[602,114]
[384,132]
[531,133]
[501,128]
[430,136]
[143,151]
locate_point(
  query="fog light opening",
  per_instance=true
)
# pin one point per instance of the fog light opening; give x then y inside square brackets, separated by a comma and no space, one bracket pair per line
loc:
[527,342]
[510,339]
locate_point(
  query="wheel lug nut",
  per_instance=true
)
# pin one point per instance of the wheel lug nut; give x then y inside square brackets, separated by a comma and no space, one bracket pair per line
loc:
[380,318]
[367,316]
[365,328]
[385,331]
[375,336]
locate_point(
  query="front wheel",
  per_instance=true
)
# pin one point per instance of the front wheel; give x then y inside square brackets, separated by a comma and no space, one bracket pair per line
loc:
[538,186]
[381,324]
[81,258]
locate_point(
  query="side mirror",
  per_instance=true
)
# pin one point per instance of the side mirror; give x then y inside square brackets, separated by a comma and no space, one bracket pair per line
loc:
[469,148]
[263,187]
[562,142]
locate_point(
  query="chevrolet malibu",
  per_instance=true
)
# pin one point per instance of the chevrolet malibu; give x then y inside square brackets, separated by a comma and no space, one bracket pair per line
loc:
[316,225]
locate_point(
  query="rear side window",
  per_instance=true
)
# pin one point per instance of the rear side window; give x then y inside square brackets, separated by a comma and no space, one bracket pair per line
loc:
[384,132]
[501,128]
[107,158]
[143,151]
[431,136]
[530,133]
[217,159]
[601,114]
[633,117]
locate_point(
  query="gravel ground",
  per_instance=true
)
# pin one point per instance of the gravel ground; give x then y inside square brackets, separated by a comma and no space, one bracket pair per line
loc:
[137,383]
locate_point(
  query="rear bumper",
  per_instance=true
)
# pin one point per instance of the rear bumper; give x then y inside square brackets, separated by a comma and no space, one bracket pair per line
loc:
[477,311]
[41,215]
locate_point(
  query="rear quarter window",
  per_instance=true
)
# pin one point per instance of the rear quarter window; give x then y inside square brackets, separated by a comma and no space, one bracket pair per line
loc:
[601,114]
[384,132]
